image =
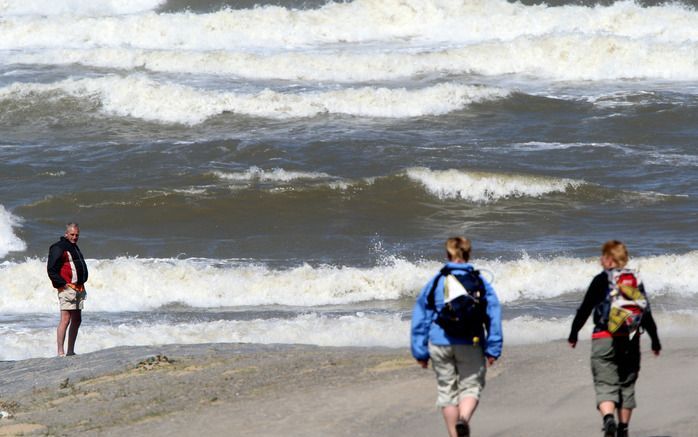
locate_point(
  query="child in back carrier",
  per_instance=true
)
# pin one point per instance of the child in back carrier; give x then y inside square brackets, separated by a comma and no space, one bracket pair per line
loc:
[617,298]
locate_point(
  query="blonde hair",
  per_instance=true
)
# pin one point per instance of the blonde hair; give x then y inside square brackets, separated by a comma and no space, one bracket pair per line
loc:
[458,248]
[617,251]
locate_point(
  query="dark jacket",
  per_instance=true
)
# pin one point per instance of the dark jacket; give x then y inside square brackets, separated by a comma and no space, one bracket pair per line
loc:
[596,296]
[66,264]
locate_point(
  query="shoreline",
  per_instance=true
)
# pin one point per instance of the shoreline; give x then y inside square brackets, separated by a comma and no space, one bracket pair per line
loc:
[297,390]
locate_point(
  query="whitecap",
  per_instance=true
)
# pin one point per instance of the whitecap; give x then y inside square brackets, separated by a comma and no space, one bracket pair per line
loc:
[486,187]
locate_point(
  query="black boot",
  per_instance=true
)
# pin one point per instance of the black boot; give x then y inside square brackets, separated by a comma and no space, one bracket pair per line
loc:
[462,428]
[622,430]
[609,426]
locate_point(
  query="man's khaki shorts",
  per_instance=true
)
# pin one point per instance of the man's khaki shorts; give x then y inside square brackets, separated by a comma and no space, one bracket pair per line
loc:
[70,299]
[460,372]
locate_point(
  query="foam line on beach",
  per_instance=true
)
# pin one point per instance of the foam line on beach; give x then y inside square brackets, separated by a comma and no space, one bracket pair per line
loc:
[141,97]
[146,284]
[359,329]
[9,241]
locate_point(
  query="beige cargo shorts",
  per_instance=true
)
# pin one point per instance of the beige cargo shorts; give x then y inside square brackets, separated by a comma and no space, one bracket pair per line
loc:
[70,299]
[460,372]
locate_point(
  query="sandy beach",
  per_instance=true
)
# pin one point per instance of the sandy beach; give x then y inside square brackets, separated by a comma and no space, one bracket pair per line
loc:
[265,390]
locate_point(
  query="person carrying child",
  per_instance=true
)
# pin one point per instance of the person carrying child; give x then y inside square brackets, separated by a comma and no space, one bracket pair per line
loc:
[621,310]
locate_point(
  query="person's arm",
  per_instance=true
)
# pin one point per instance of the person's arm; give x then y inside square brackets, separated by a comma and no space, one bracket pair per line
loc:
[53,266]
[594,295]
[421,322]
[495,338]
[650,326]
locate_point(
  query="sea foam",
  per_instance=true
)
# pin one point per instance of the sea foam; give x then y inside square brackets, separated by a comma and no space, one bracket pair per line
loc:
[274,175]
[359,329]
[76,7]
[404,38]
[145,284]
[433,21]
[557,56]
[141,97]
[9,242]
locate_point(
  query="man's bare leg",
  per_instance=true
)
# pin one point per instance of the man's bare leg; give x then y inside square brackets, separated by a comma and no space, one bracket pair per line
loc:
[60,334]
[75,320]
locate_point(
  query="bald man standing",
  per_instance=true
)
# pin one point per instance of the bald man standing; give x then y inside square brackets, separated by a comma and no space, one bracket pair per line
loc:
[67,270]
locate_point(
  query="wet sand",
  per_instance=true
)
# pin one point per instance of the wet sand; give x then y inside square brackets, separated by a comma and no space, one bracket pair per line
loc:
[290,390]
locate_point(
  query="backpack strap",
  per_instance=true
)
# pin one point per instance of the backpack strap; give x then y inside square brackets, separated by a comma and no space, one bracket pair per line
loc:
[445,271]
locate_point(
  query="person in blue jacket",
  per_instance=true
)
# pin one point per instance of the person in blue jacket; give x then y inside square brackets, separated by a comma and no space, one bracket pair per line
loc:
[459,360]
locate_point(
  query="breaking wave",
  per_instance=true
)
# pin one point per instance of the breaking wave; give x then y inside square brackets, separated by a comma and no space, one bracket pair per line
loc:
[140,97]
[351,22]
[9,242]
[481,187]
[487,187]
[362,40]
[146,284]
[561,57]
[76,7]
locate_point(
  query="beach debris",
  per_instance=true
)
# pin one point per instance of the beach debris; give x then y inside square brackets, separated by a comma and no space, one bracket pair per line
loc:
[65,383]
[8,409]
[154,362]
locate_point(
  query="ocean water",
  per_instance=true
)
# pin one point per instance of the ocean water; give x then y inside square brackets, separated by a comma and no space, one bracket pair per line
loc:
[287,171]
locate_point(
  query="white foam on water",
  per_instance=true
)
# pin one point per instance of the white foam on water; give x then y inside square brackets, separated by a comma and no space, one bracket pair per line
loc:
[541,146]
[140,97]
[543,278]
[432,21]
[351,330]
[360,329]
[146,284]
[255,173]
[531,330]
[76,7]
[652,157]
[487,187]
[134,284]
[632,98]
[672,159]
[277,177]
[558,56]
[9,242]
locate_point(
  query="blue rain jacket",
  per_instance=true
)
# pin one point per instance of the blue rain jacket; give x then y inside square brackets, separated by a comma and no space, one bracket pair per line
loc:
[424,330]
